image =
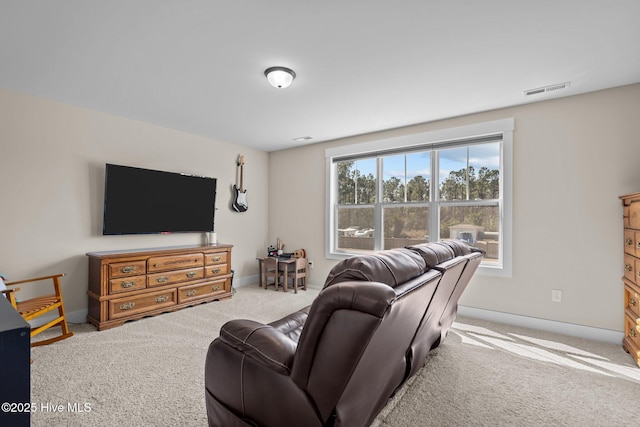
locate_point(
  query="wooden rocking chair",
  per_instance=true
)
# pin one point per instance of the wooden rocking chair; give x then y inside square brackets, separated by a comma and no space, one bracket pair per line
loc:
[35,307]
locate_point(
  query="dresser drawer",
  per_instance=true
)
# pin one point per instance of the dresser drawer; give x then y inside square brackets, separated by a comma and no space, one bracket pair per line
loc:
[170,277]
[632,348]
[172,262]
[629,242]
[126,284]
[631,331]
[634,214]
[632,300]
[198,291]
[217,258]
[122,307]
[630,268]
[123,269]
[216,270]
[632,242]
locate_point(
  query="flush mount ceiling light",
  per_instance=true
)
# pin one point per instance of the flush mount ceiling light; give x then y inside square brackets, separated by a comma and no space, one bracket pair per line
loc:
[279,77]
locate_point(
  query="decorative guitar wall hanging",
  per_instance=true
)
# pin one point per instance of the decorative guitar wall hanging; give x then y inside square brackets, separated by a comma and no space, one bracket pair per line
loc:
[240,194]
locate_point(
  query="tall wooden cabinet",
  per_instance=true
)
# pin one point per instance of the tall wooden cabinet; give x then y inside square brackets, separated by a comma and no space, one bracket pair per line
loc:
[130,285]
[631,278]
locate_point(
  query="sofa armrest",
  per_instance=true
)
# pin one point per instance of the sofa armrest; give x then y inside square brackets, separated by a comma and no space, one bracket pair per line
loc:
[263,343]
[292,324]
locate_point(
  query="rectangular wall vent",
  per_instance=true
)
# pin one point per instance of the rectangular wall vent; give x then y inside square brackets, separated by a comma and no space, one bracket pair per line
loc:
[547,89]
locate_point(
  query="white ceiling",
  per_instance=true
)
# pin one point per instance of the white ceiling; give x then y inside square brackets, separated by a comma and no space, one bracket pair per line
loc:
[362,65]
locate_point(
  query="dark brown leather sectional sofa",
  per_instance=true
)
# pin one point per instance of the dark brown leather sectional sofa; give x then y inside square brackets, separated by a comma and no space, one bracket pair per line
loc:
[338,361]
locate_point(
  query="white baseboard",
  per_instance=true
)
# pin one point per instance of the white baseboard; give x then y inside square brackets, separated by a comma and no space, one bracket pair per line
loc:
[239,282]
[588,332]
[78,316]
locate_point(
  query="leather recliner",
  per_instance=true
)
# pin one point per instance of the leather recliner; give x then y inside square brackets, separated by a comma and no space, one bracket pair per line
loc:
[338,361]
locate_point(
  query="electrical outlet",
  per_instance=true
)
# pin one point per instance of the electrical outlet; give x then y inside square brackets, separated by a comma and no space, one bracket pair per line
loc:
[310,264]
[556,295]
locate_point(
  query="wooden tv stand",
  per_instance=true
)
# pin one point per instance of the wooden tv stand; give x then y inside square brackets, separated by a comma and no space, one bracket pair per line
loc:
[133,284]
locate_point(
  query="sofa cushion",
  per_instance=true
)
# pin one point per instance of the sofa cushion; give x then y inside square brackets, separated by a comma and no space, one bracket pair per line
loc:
[391,267]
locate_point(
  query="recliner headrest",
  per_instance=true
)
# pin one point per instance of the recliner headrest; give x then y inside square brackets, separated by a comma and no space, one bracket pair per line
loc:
[392,267]
[459,248]
[435,253]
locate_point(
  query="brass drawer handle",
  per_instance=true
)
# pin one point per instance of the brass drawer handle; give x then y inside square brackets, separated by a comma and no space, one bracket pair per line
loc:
[216,258]
[162,279]
[632,333]
[191,274]
[215,288]
[127,284]
[162,298]
[216,271]
[128,269]
[190,293]
[632,301]
[628,267]
[628,241]
[127,306]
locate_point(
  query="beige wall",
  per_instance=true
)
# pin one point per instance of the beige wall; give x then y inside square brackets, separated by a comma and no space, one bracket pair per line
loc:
[573,157]
[52,184]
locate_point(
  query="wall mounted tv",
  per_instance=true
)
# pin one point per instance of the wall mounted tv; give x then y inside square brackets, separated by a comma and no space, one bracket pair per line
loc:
[144,201]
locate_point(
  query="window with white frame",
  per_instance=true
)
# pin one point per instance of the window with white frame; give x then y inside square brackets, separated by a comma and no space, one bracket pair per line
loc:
[451,184]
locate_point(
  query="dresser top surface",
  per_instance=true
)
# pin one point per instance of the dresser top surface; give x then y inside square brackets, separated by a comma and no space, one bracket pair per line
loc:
[164,249]
[630,196]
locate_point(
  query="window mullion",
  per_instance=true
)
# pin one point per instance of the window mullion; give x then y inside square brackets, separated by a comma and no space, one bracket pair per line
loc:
[378,218]
[405,178]
[467,177]
[355,183]
[434,210]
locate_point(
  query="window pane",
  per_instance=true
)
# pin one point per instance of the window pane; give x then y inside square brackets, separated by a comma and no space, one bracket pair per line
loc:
[453,174]
[346,183]
[355,228]
[393,176]
[470,173]
[418,176]
[484,171]
[404,226]
[357,181]
[479,226]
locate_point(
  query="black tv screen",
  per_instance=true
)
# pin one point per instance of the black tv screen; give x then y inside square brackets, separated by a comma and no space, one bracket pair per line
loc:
[143,201]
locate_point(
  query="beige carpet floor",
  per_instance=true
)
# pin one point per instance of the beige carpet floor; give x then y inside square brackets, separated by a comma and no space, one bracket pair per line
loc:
[150,373]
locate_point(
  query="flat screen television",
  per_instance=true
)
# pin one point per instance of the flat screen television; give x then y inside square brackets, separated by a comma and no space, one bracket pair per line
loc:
[145,201]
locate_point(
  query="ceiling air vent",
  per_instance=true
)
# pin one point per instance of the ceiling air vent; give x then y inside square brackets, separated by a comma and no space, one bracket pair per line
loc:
[303,138]
[547,89]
